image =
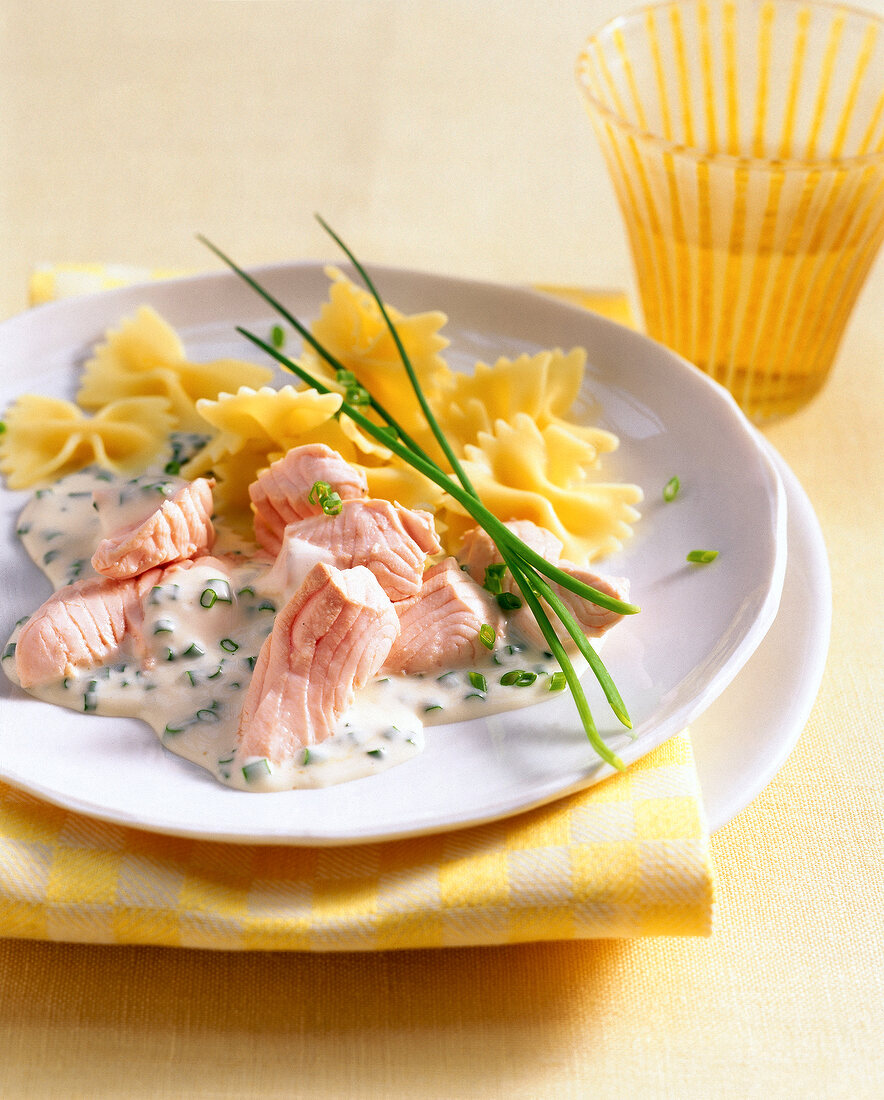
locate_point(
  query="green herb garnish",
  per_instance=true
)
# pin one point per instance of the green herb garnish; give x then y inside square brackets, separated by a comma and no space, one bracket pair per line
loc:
[487,635]
[670,489]
[478,681]
[322,494]
[702,556]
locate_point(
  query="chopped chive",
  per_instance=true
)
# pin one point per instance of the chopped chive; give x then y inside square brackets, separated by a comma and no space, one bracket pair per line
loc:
[328,500]
[375,752]
[214,675]
[194,650]
[277,336]
[206,714]
[670,489]
[173,468]
[557,682]
[247,591]
[478,681]
[257,769]
[306,759]
[518,677]
[251,663]
[508,601]
[266,605]
[23,530]
[9,651]
[217,591]
[164,626]
[433,706]
[446,675]
[173,729]
[229,645]
[487,635]
[190,676]
[494,574]
[702,556]
[50,557]
[512,677]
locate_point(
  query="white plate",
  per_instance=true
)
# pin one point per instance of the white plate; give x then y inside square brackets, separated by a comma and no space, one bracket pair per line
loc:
[698,627]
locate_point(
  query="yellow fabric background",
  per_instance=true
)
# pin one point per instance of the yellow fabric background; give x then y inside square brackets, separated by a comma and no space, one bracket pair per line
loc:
[452,143]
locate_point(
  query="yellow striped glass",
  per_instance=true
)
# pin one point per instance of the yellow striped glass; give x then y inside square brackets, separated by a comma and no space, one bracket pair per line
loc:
[745,140]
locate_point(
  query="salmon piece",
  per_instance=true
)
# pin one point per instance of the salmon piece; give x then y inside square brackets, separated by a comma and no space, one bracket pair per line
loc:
[80,626]
[280,494]
[594,620]
[439,627]
[179,529]
[478,549]
[393,542]
[329,640]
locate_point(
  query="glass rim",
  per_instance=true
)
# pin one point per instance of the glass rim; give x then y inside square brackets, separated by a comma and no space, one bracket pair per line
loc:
[695,153]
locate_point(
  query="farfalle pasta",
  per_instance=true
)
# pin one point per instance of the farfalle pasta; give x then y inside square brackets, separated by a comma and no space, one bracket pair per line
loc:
[351,327]
[145,357]
[523,472]
[543,386]
[47,438]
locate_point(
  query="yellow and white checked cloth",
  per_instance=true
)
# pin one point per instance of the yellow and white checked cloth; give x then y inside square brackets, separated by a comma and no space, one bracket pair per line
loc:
[628,857]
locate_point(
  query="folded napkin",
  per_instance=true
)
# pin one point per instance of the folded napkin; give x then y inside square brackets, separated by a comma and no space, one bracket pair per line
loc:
[627,857]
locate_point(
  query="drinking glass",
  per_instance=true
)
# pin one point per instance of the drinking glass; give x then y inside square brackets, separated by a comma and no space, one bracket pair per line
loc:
[745,141]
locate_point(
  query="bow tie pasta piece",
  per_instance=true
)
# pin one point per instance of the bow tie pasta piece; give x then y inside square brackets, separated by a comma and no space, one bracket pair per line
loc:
[543,386]
[351,327]
[521,472]
[47,438]
[145,356]
[254,427]
[403,485]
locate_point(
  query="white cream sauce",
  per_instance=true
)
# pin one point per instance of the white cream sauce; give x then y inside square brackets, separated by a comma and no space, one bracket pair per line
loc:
[201,637]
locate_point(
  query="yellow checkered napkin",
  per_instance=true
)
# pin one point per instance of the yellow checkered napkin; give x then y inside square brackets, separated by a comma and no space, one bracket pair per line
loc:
[628,857]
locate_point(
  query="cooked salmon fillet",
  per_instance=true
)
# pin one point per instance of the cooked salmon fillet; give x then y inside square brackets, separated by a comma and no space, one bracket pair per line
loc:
[280,493]
[478,551]
[439,627]
[593,620]
[327,642]
[393,542]
[179,529]
[81,625]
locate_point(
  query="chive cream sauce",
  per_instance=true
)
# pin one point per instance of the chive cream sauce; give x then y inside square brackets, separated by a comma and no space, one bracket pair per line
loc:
[203,629]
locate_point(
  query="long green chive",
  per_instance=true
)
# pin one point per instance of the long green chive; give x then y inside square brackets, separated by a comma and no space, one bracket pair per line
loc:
[670,489]
[702,556]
